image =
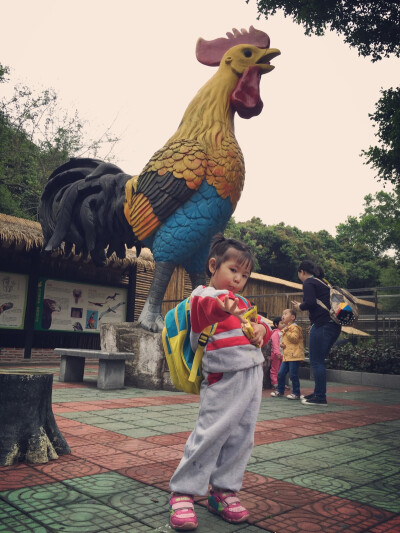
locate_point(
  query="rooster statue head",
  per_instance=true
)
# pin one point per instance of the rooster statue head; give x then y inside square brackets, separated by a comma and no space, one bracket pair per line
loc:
[246,54]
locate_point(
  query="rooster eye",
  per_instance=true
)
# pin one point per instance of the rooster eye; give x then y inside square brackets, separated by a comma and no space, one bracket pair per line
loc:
[247,53]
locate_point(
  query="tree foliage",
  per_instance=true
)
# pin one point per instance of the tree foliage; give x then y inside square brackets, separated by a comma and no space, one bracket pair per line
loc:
[371,26]
[37,135]
[364,253]
[385,158]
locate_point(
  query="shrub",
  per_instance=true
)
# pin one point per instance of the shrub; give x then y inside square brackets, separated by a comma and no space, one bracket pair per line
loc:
[367,357]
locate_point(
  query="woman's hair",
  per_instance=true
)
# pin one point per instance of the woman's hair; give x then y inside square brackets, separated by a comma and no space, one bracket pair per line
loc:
[221,249]
[311,268]
[276,321]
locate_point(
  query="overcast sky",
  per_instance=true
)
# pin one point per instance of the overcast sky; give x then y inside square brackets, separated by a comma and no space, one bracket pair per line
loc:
[132,64]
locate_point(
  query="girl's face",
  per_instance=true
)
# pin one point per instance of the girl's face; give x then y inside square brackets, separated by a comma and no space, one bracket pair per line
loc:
[281,325]
[230,275]
[287,317]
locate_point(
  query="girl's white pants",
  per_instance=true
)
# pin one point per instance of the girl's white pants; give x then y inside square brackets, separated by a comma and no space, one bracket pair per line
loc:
[218,449]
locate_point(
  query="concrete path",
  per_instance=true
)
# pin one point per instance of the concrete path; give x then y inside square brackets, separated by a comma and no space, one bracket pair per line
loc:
[313,469]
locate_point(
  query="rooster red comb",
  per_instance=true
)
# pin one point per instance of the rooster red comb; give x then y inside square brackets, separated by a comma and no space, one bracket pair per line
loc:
[211,52]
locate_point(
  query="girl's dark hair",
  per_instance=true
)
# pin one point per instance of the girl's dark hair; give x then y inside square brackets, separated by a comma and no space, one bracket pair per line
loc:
[221,249]
[276,321]
[311,268]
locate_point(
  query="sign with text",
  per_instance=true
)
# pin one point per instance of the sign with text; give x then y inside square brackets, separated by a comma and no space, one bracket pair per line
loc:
[13,291]
[69,306]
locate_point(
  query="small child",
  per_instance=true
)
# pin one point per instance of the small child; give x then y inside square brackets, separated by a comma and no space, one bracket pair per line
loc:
[218,449]
[276,351]
[293,352]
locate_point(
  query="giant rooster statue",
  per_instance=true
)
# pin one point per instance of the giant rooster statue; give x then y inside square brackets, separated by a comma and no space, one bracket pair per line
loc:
[187,191]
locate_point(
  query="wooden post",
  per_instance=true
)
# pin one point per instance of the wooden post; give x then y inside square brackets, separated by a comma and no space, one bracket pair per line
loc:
[28,430]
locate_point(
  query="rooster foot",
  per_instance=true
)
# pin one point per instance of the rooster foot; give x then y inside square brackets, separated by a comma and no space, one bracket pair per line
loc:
[152,321]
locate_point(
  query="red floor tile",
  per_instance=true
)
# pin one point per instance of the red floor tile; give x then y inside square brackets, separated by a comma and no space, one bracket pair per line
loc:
[360,517]
[260,508]
[164,453]
[166,440]
[286,493]
[68,469]
[22,475]
[152,474]
[133,445]
[119,460]
[391,526]
[301,521]
[93,450]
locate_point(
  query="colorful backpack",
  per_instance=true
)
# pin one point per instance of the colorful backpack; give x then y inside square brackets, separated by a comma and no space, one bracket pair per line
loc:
[184,364]
[344,310]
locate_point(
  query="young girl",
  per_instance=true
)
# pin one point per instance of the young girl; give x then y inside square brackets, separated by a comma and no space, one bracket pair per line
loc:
[293,352]
[276,351]
[218,449]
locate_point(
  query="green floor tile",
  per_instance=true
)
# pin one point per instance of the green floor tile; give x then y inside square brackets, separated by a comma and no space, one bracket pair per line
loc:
[101,484]
[352,475]
[376,465]
[384,499]
[302,462]
[325,484]
[133,527]
[42,496]
[81,517]
[142,502]
[274,469]
[14,521]
[137,432]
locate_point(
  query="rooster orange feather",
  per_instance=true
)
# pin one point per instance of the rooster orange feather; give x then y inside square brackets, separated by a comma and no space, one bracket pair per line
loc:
[185,194]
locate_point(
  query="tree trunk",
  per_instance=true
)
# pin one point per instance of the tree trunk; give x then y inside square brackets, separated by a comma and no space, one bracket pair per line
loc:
[28,430]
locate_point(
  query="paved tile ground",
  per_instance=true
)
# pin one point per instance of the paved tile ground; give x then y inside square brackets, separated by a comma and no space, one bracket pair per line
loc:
[327,470]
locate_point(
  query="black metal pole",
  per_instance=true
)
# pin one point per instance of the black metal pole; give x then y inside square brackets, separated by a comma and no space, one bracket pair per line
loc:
[130,308]
[31,303]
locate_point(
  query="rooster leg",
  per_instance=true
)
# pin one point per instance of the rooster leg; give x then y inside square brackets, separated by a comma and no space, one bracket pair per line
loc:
[197,278]
[151,317]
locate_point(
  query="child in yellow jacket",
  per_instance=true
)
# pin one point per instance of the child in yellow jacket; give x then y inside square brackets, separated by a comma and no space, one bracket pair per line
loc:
[293,352]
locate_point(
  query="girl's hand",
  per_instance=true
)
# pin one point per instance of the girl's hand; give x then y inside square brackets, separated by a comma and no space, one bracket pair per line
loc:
[231,306]
[258,334]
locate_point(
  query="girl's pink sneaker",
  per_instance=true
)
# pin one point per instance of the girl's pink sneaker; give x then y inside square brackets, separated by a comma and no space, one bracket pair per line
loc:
[182,515]
[228,506]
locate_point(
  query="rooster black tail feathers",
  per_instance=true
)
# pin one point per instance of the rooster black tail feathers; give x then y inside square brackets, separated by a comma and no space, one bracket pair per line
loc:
[83,205]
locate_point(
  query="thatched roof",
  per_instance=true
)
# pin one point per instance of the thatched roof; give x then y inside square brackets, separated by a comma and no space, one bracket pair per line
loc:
[20,233]
[25,235]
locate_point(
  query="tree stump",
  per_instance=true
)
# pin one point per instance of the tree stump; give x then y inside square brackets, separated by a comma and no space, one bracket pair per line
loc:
[28,430]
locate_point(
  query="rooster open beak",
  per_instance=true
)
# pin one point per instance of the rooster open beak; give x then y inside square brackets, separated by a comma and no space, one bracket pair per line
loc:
[263,62]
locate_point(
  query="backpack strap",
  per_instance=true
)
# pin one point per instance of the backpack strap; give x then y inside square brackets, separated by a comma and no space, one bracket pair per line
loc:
[327,284]
[203,339]
[242,298]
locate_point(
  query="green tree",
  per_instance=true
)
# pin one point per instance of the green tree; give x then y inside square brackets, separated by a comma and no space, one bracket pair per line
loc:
[36,136]
[377,228]
[373,27]
[385,158]
[279,249]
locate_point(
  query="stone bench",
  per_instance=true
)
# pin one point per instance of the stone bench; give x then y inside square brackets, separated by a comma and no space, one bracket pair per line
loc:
[111,373]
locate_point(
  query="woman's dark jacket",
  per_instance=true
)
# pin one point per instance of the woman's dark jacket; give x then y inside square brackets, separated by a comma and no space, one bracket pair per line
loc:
[313,290]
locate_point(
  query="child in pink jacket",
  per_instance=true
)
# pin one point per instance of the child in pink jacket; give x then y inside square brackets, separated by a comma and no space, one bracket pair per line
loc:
[276,351]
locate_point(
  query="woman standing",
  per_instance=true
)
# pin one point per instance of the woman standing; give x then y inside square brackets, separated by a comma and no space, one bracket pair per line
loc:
[323,332]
